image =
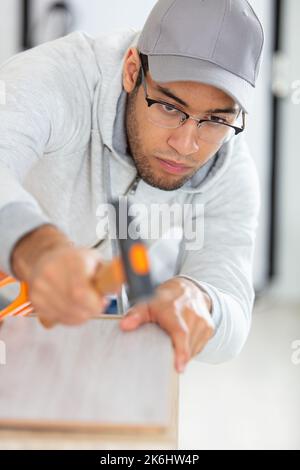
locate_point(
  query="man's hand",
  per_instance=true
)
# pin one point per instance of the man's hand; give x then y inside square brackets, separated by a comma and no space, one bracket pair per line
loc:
[183,311]
[59,277]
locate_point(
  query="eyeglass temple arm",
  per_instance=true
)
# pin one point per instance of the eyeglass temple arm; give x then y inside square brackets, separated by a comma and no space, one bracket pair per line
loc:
[143,78]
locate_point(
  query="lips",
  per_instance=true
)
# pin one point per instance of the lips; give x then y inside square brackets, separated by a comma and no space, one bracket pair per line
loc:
[180,165]
[171,167]
[174,164]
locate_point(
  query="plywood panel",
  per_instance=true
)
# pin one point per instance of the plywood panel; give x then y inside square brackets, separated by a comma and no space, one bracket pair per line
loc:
[89,378]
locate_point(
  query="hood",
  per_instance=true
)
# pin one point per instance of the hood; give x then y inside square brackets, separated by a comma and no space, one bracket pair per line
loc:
[110,50]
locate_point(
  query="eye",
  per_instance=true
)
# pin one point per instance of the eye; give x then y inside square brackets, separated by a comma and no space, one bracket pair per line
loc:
[217,119]
[169,109]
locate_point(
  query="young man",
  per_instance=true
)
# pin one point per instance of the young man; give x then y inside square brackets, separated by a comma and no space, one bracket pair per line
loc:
[157,115]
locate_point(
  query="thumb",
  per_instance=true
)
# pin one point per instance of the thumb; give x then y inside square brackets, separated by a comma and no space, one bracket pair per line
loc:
[135,317]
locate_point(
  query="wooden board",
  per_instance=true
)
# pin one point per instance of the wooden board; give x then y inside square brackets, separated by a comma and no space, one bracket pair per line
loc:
[88,379]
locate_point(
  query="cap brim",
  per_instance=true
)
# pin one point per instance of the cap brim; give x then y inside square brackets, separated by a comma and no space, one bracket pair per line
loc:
[170,68]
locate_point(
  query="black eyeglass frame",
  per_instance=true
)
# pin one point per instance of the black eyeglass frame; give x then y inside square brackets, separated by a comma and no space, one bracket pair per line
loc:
[151,102]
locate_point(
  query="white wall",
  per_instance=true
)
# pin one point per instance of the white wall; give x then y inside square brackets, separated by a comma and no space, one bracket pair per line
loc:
[9,28]
[119,15]
[94,16]
[287,284]
[91,16]
[258,136]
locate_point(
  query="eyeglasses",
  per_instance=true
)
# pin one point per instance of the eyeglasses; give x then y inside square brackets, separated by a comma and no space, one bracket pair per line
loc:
[166,115]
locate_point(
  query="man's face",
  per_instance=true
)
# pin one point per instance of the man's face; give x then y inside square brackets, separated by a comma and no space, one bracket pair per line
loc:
[149,144]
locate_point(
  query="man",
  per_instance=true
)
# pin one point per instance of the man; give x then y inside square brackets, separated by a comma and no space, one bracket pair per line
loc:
[157,115]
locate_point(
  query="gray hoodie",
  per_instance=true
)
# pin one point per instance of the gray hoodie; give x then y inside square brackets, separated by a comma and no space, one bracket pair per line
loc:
[63,153]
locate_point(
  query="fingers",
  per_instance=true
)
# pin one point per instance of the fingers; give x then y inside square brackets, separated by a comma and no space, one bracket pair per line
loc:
[180,340]
[201,334]
[68,310]
[189,332]
[175,327]
[61,291]
[179,331]
[188,329]
[46,323]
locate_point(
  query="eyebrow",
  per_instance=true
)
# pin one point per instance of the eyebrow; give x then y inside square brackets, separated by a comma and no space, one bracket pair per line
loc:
[167,92]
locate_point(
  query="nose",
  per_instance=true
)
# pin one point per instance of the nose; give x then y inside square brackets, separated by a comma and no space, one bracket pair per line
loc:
[184,138]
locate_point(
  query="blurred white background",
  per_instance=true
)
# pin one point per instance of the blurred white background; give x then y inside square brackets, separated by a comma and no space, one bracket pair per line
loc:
[253,402]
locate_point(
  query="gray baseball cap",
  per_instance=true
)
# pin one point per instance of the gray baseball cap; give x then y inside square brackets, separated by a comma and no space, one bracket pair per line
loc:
[216,42]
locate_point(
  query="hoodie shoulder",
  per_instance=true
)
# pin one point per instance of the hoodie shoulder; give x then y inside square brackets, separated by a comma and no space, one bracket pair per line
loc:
[236,191]
[110,48]
[62,61]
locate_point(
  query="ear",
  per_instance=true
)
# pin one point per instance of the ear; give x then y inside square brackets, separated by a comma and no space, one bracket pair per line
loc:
[131,69]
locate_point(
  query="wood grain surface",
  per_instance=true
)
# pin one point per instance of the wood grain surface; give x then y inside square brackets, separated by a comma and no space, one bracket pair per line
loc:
[92,378]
